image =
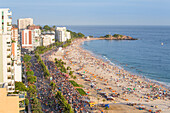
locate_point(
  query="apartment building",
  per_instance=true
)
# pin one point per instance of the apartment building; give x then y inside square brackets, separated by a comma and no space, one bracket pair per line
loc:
[16,54]
[30,39]
[32,27]
[6,67]
[47,39]
[11,103]
[24,23]
[62,35]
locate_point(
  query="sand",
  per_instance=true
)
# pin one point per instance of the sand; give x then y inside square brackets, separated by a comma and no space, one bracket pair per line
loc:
[109,79]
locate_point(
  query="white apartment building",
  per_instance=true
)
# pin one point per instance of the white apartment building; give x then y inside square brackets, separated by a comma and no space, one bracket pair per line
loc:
[6,67]
[30,39]
[62,35]
[48,39]
[16,54]
[24,22]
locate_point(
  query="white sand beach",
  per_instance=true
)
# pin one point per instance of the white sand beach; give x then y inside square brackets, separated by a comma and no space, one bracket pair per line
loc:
[105,83]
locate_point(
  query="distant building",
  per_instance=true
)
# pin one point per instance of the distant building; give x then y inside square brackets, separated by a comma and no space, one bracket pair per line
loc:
[11,103]
[62,35]
[24,23]
[32,27]
[48,39]
[27,39]
[30,39]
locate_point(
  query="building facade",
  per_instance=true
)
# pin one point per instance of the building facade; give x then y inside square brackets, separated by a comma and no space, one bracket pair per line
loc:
[6,64]
[48,39]
[16,55]
[62,35]
[24,23]
[11,103]
[27,39]
[32,27]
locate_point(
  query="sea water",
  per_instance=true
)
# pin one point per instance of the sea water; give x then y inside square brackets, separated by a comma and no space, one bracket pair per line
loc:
[149,56]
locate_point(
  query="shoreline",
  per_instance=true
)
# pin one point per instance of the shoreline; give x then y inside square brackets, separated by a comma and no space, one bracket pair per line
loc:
[164,84]
[104,75]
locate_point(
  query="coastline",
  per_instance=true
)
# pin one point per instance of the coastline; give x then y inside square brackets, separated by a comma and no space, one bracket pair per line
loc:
[118,81]
[164,84]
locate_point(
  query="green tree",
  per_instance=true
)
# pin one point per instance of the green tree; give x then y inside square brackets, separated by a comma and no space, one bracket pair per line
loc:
[54,26]
[71,72]
[26,101]
[28,73]
[32,79]
[20,86]
[26,58]
[32,91]
[116,35]
[46,28]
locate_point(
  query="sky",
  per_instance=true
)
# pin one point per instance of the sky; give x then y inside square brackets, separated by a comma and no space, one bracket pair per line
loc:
[91,12]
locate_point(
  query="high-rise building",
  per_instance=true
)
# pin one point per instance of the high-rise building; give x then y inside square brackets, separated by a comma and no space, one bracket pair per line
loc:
[6,64]
[24,23]
[27,39]
[62,35]
[16,54]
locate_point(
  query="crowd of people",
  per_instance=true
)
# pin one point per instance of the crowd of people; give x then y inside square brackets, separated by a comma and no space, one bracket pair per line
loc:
[46,94]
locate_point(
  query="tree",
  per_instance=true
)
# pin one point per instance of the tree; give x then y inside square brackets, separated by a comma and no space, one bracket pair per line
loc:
[26,58]
[74,77]
[28,73]
[54,26]
[71,73]
[32,90]
[80,35]
[53,85]
[107,36]
[26,102]
[32,79]
[46,28]
[20,86]
[116,35]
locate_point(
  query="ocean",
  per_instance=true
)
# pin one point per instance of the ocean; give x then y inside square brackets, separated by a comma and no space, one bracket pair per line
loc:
[149,56]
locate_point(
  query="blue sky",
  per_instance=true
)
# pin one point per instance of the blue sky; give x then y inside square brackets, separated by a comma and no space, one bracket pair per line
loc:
[91,12]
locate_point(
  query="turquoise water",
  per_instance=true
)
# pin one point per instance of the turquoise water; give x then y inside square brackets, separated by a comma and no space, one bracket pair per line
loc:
[146,56]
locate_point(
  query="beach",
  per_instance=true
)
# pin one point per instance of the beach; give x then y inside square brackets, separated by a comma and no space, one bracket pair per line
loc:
[109,84]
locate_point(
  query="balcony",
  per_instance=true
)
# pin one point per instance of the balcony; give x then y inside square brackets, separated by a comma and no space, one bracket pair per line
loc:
[9,77]
[10,13]
[8,49]
[9,70]
[9,20]
[9,56]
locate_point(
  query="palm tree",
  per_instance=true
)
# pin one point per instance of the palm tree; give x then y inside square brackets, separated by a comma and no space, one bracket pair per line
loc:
[104,101]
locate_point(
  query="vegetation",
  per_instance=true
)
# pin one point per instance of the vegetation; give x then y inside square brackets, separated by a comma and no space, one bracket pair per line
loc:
[32,79]
[26,58]
[71,73]
[81,91]
[46,72]
[117,35]
[74,83]
[63,102]
[29,73]
[76,35]
[20,86]
[60,64]
[35,103]
[53,85]
[43,49]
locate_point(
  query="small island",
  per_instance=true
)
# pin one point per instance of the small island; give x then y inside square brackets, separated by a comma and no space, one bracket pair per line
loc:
[117,37]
